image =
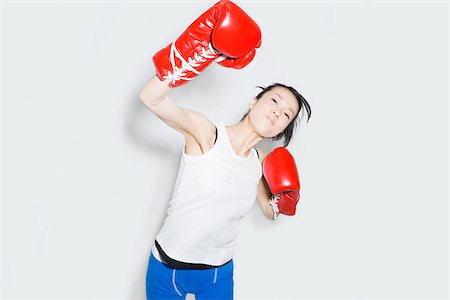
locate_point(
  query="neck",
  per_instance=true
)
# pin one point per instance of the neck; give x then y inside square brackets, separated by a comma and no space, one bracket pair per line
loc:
[244,136]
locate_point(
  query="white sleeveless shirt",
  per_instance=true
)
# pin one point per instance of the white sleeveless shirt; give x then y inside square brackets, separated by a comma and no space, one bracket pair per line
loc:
[212,193]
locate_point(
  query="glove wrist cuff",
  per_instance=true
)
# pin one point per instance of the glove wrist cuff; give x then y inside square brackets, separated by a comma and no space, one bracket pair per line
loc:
[182,65]
[273,203]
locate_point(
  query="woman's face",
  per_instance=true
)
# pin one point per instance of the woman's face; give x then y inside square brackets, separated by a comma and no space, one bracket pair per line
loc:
[272,113]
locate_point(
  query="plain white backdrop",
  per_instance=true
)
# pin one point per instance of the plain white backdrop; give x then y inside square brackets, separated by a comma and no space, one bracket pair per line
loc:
[87,170]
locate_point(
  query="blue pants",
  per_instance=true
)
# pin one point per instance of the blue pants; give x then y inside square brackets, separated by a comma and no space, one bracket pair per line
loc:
[164,282]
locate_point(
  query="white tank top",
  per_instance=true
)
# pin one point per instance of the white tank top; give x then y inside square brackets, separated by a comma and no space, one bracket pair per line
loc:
[212,193]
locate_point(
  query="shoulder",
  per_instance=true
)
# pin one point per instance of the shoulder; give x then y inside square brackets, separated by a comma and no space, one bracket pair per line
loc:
[204,127]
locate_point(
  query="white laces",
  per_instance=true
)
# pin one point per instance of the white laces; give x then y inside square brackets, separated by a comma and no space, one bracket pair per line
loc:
[179,72]
[273,202]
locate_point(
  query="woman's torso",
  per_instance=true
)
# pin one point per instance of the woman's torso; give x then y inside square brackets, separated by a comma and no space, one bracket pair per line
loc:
[206,140]
[193,154]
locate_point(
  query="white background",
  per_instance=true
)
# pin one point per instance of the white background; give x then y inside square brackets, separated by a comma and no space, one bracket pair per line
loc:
[87,170]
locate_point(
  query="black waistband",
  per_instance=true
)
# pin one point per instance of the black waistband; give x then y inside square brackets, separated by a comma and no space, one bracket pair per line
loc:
[176,264]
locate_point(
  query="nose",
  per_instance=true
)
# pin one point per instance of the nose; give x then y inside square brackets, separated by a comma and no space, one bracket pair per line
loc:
[275,113]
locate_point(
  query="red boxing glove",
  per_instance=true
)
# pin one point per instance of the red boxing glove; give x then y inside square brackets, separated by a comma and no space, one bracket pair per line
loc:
[240,62]
[222,33]
[280,172]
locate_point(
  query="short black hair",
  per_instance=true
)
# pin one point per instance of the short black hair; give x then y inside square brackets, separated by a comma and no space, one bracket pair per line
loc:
[302,103]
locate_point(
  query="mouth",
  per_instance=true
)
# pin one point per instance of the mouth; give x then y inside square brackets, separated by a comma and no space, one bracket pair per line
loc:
[271,121]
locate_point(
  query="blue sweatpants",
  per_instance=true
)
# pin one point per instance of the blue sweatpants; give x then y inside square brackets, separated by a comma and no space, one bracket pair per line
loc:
[164,282]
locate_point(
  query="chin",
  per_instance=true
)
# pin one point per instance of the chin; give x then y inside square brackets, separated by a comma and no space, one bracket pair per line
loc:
[269,135]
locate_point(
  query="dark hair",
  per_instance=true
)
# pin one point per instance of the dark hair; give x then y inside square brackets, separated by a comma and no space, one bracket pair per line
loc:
[302,103]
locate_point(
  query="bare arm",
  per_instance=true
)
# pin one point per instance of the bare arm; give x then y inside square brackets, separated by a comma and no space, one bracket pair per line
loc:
[263,193]
[188,122]
[154,91]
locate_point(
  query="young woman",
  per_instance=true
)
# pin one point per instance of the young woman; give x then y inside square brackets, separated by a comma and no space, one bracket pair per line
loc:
[221,171]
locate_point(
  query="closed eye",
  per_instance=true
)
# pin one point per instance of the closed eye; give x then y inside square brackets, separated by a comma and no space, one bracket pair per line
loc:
[287,116]
[274,100]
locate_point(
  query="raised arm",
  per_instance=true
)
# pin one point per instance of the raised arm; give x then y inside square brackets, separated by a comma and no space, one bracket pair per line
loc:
[225,34]
[154,91]
[186,121]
